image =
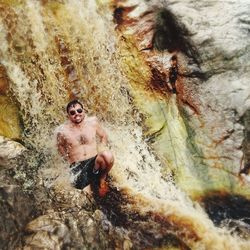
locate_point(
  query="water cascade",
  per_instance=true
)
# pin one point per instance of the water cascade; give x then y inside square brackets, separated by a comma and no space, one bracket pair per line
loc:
[162,185]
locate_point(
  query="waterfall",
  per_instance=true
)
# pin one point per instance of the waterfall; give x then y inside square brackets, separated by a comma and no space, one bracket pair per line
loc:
[54,51]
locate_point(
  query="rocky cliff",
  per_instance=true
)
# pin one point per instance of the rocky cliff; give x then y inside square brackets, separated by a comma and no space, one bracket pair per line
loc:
[169,82]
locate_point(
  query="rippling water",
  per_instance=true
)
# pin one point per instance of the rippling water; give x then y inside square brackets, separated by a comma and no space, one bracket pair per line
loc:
[54,51]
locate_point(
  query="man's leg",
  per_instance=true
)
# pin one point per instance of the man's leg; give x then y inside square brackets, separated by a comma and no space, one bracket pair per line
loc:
[104,162]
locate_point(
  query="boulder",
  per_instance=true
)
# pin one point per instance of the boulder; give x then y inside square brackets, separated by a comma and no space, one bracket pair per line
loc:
[9,152]
[16,210]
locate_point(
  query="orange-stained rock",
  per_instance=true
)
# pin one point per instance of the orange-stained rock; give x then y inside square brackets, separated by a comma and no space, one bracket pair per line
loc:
[189,137]
[4,84]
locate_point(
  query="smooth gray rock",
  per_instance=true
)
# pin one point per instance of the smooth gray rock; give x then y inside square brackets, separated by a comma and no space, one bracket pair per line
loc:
[9,151]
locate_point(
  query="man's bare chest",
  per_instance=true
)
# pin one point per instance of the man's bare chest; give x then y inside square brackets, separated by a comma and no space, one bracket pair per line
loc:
[85,136]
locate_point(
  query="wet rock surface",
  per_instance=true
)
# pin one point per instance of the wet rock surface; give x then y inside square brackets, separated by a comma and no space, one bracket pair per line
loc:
[75,230]
[197,133]
[9,111]
[74,225]
[223,45]
[212,89]
[52,217]
[9,152]
[229,211]
[16,209]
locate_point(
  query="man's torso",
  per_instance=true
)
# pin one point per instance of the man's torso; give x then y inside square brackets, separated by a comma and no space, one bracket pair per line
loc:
[80,143]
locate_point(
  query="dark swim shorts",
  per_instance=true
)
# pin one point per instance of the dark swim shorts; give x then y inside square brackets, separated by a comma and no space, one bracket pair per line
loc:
[83,174]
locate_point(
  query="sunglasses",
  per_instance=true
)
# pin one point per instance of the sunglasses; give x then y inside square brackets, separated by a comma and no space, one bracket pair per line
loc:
[73,112]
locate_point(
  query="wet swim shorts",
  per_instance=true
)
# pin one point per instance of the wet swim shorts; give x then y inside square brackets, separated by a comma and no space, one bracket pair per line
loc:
[82,173]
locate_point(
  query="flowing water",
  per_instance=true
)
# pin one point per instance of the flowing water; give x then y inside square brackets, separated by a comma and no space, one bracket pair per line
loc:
[54,51]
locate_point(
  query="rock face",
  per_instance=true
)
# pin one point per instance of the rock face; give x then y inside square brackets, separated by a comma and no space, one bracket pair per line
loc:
[169,147]
[213,94]
[223,45]
[53,218]
[9,151]
[16,211]
[9,113]
[75,229]
[17,208]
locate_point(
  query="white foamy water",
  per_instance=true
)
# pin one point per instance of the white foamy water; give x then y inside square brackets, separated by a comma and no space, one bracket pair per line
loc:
[54,51]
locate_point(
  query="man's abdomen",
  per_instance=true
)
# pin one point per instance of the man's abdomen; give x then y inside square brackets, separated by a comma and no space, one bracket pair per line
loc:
[82,153]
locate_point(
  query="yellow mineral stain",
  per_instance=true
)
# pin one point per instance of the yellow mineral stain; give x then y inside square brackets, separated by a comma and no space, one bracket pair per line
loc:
[134,66]
[9,118]
[12,2]
[163,123]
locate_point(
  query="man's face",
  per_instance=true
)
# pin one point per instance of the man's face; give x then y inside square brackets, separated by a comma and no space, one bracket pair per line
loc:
[174,62]
[76,114]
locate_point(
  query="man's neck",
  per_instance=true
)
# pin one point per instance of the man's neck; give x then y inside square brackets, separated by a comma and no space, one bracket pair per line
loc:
[76,125]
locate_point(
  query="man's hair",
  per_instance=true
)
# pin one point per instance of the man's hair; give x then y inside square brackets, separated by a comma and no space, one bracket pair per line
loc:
[173,58]
[72,104]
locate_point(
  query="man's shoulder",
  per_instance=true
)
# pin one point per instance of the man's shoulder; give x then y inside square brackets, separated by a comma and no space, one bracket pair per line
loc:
[92,119]
[61,129]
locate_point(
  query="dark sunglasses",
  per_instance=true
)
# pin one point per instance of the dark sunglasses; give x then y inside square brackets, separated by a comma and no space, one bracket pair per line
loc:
[73,112]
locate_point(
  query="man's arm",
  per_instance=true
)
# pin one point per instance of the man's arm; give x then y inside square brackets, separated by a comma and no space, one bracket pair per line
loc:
[61,142]
[103,137]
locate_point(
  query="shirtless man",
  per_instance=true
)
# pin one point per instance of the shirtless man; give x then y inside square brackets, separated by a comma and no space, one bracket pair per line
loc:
[77,143]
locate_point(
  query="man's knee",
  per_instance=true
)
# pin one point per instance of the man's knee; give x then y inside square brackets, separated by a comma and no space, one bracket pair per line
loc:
[108,157]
